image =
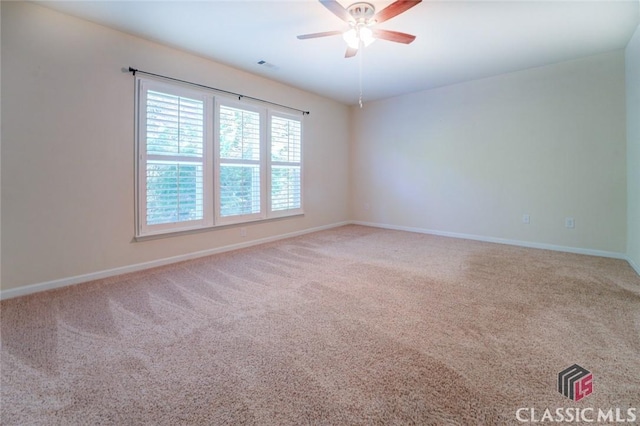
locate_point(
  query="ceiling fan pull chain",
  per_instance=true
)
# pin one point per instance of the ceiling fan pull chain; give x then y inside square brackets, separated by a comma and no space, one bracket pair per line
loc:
[360,72]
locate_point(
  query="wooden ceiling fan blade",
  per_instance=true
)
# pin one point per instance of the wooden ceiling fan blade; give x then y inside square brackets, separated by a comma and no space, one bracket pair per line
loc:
[395,36]
[316,35]
[351,52]
[394,9]
[337,9]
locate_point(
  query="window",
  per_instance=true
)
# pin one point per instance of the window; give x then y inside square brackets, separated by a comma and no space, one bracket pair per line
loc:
[285,163]
[240,164]
[205,161]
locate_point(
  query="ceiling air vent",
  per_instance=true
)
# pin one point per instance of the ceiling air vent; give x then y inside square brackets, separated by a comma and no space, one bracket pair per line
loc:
[267,65]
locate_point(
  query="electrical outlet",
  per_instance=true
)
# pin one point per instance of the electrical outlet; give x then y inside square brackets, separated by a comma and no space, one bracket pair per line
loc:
[569,222]
[526,219]
[243,232]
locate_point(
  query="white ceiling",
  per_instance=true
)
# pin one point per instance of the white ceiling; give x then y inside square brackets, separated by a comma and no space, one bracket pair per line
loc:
[456,40]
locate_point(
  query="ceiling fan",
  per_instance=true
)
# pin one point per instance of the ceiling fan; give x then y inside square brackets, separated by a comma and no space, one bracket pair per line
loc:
[362,19]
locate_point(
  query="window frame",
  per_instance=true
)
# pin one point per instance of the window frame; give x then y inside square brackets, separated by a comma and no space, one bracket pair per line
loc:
[262,113]
[270,162]
[212,217]
[143,228]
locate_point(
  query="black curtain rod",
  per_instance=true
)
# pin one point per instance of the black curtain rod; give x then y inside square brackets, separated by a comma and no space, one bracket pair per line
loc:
[134,71]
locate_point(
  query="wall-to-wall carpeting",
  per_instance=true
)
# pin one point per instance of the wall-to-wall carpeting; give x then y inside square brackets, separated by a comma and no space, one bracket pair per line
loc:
[353,325]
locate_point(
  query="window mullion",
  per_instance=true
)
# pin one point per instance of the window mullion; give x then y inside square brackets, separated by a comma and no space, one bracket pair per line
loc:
[264,154]
[209,161]
[216,164]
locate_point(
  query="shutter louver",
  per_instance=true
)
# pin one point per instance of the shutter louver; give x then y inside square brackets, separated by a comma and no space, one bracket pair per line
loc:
[240,180]
[285,164]
[175,149]
[285,187]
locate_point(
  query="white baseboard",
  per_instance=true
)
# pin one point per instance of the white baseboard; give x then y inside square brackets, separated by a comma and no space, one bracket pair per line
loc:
[518,243]
[64,282]
[634,265]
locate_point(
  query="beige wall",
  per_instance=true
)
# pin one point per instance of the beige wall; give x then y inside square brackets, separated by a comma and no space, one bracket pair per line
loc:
[472,158]
[468,159]
[633,149]
[67,148]
[0,149]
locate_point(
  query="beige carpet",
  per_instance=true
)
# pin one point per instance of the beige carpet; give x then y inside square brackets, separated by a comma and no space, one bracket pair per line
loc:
[349,326]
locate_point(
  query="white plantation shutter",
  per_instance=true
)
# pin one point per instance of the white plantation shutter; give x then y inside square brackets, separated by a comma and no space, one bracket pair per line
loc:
[285,147]
[204,161]
[175,125]
[174,192]
[172,152]
[240,163]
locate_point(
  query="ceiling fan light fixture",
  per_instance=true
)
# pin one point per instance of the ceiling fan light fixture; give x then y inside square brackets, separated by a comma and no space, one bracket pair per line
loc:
[351,38]
[366,35]
[354,36]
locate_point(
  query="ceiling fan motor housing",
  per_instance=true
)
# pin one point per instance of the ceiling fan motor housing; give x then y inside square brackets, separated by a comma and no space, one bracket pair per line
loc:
[362,12]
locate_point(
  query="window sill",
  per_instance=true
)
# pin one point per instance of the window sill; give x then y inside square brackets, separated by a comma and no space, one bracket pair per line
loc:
[170,234]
